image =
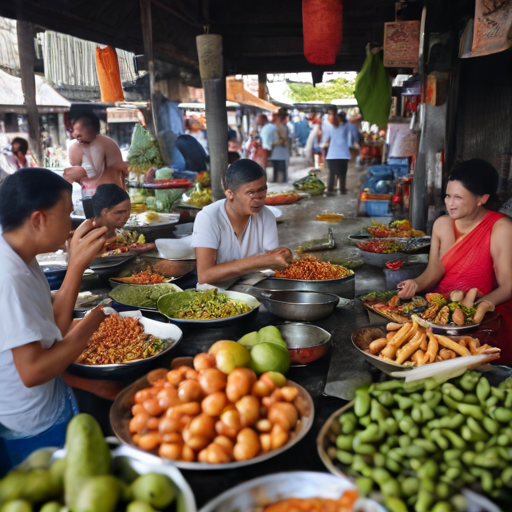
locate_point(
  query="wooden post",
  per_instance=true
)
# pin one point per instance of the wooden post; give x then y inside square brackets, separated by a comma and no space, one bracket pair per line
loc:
[262,86]
[209,48]
[28,84]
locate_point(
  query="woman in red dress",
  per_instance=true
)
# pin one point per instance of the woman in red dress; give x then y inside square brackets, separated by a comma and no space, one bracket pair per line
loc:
[472,248]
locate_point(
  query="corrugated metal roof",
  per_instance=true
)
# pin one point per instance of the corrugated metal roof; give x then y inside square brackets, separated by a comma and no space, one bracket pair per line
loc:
[9,58]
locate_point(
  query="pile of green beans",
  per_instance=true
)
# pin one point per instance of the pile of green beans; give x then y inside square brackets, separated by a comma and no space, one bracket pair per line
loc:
[421,442]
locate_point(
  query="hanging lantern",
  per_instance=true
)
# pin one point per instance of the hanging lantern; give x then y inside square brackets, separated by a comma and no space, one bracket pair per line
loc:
[322,30]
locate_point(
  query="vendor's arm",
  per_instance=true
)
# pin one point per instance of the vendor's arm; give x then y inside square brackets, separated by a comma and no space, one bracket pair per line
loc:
[37,365]
[113,157]
[86,244]
[434,271]
[208,271]
[75,173]
[501,252]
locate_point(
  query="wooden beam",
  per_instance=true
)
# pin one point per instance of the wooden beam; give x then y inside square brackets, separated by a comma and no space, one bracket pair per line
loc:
[262,86]
[28,83]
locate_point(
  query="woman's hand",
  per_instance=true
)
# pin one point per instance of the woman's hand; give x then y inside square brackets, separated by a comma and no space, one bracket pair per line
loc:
[407,289]
[87,243]
[481,309]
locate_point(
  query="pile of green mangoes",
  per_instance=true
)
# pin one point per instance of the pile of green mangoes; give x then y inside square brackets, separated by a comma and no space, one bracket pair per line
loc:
[82,481]
[421,442]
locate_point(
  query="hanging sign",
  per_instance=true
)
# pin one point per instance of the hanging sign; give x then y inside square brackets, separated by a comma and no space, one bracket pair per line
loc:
[401,44]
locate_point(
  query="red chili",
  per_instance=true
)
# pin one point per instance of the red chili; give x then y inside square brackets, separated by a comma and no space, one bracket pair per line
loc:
[394,265]
[164,184]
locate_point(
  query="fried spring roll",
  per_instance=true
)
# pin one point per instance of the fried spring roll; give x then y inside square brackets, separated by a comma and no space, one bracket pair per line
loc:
[389,335]
[424,345]
[408,349]
[452,345]
[417,357]
[377,345]
[446,353]
[397,341]
[487,349]
[393,326]
[433,346]
[473,345]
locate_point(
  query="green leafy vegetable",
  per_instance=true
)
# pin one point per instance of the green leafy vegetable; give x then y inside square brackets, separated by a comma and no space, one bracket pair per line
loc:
[143,296]
[144,152]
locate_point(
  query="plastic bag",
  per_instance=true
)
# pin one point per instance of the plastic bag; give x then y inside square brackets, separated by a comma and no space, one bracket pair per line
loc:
[373,90]
[143,153]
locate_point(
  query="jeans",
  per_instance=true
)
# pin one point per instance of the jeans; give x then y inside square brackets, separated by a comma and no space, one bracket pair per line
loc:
[337,168]
[280,171]
[19,448]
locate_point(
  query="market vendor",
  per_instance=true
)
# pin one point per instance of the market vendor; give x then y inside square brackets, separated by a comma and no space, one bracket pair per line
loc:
[36,343]
[95,158]
[472,248]
[111,206]
[238,235]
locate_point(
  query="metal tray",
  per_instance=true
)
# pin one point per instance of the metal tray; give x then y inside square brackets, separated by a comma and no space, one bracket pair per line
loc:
[159,329]
[142,463]
[223,322]
[260,492]
[121,413]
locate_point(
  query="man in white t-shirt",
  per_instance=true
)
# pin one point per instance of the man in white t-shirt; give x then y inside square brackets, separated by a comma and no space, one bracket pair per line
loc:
[36,343]
[238,235]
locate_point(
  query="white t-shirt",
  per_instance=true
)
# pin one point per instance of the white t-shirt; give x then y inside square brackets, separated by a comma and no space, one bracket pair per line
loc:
[26,315]
[213,229]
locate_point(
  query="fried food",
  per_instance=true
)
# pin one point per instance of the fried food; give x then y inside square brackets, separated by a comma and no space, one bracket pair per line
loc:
[312,269]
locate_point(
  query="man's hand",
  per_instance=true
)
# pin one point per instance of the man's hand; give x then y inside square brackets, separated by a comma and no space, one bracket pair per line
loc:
[74,174]
[87,243]
[284,251]
[279,259]
[407,289]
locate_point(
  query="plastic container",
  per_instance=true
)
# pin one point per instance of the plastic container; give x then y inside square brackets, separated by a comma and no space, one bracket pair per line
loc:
[376,208]
[176,248]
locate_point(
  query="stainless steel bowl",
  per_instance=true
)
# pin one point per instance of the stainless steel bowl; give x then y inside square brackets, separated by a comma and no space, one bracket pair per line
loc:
[121,413]
[167,268]
[306,343]
[260,492]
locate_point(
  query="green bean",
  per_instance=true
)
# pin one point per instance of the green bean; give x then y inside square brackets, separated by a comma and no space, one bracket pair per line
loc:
[441,441]
[398,414]
[394,504]
[480,446]
[362,403]
[395,455]
[459,503]
[366,471]
[498,484]
[507,383]
[384,448]
[404,402]
[416,464]
[393,465]
[488,459]
[476,428]
[411,500]
[391,487]
[416,414]
[434,424]
[415,451]
[368,435]
[469,381]
[506,477]
[455,463]
[427,412]
[468,458]
[428,470]
[442,506]
[344,457]
[502,415]
[468,478]
[470,398]
[471,436]
[503,440]
[505,453]
[500,394]
[455,439]
[425,501]
[428,484]
[441,410]
[389,385]
[413,386]
[363,448]
[344,442]
[483,389]
[386,399]
[431,383]
[426,433]
[490,425]
[414,431]
[390,426]
[348,416]
[487,481]
[452,422]
[410,486]
[492,401]
[493,441]
[381,475]
[508,400]
[429,446]
[455,393]
[377,411]
[364,485]
[365,420]
[406,424]
[392,440]
[379,459]
[348,427]
[404,441]
[416,397]
[452,473]
[473,410]
[443,491]
[452,454]
[450,402]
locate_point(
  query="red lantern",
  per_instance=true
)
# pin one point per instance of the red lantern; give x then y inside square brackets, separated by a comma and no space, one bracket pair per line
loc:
[322,30]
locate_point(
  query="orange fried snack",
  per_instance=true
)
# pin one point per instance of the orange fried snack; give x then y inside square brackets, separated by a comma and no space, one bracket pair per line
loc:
[312,269]
[344,504]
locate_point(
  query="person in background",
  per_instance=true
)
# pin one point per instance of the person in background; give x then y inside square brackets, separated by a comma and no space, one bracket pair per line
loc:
[20,154]
[111,205]
[280,147]
[338,136]
[37,343]
[266,136]
[301,130]
[95,158]
[195,128]
[238,235]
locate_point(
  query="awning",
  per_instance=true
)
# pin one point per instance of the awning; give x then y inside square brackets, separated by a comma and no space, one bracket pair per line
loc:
[11,96]
[235,92]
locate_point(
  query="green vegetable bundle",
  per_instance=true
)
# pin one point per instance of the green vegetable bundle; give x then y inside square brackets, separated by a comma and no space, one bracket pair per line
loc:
[421,442]
[142,296]
[310,184]
[144,152]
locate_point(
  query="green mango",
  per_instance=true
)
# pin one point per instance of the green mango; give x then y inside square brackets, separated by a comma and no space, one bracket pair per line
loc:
[249,340]
[40,459]
[16,506]
[11,486]
[156,489]
[57,471]
[139,506]
[88,455]
[51,506]
[39,487]
[98,494]
[271,334]
[125,471]
[125,491]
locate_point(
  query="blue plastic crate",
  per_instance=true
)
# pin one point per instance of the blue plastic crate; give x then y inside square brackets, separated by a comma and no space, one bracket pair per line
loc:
[375,208]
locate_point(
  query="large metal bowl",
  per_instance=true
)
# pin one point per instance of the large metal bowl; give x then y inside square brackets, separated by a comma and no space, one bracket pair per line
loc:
[260,492]
[223,322]
[121,413]
[159,329]
[306,343]
[124,457]
[343,287]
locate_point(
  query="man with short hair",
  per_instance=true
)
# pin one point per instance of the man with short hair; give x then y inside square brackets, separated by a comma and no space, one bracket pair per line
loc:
[111,206]
[238,235]
[95,158]
[36,342]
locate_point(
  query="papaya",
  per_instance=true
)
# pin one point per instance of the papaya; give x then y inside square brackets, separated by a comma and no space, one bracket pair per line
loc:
[88,455]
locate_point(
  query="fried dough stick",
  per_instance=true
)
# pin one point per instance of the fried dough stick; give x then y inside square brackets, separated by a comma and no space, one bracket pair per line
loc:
[452,345]
[433,346]
[408,349]
[401,336]
[377,345]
